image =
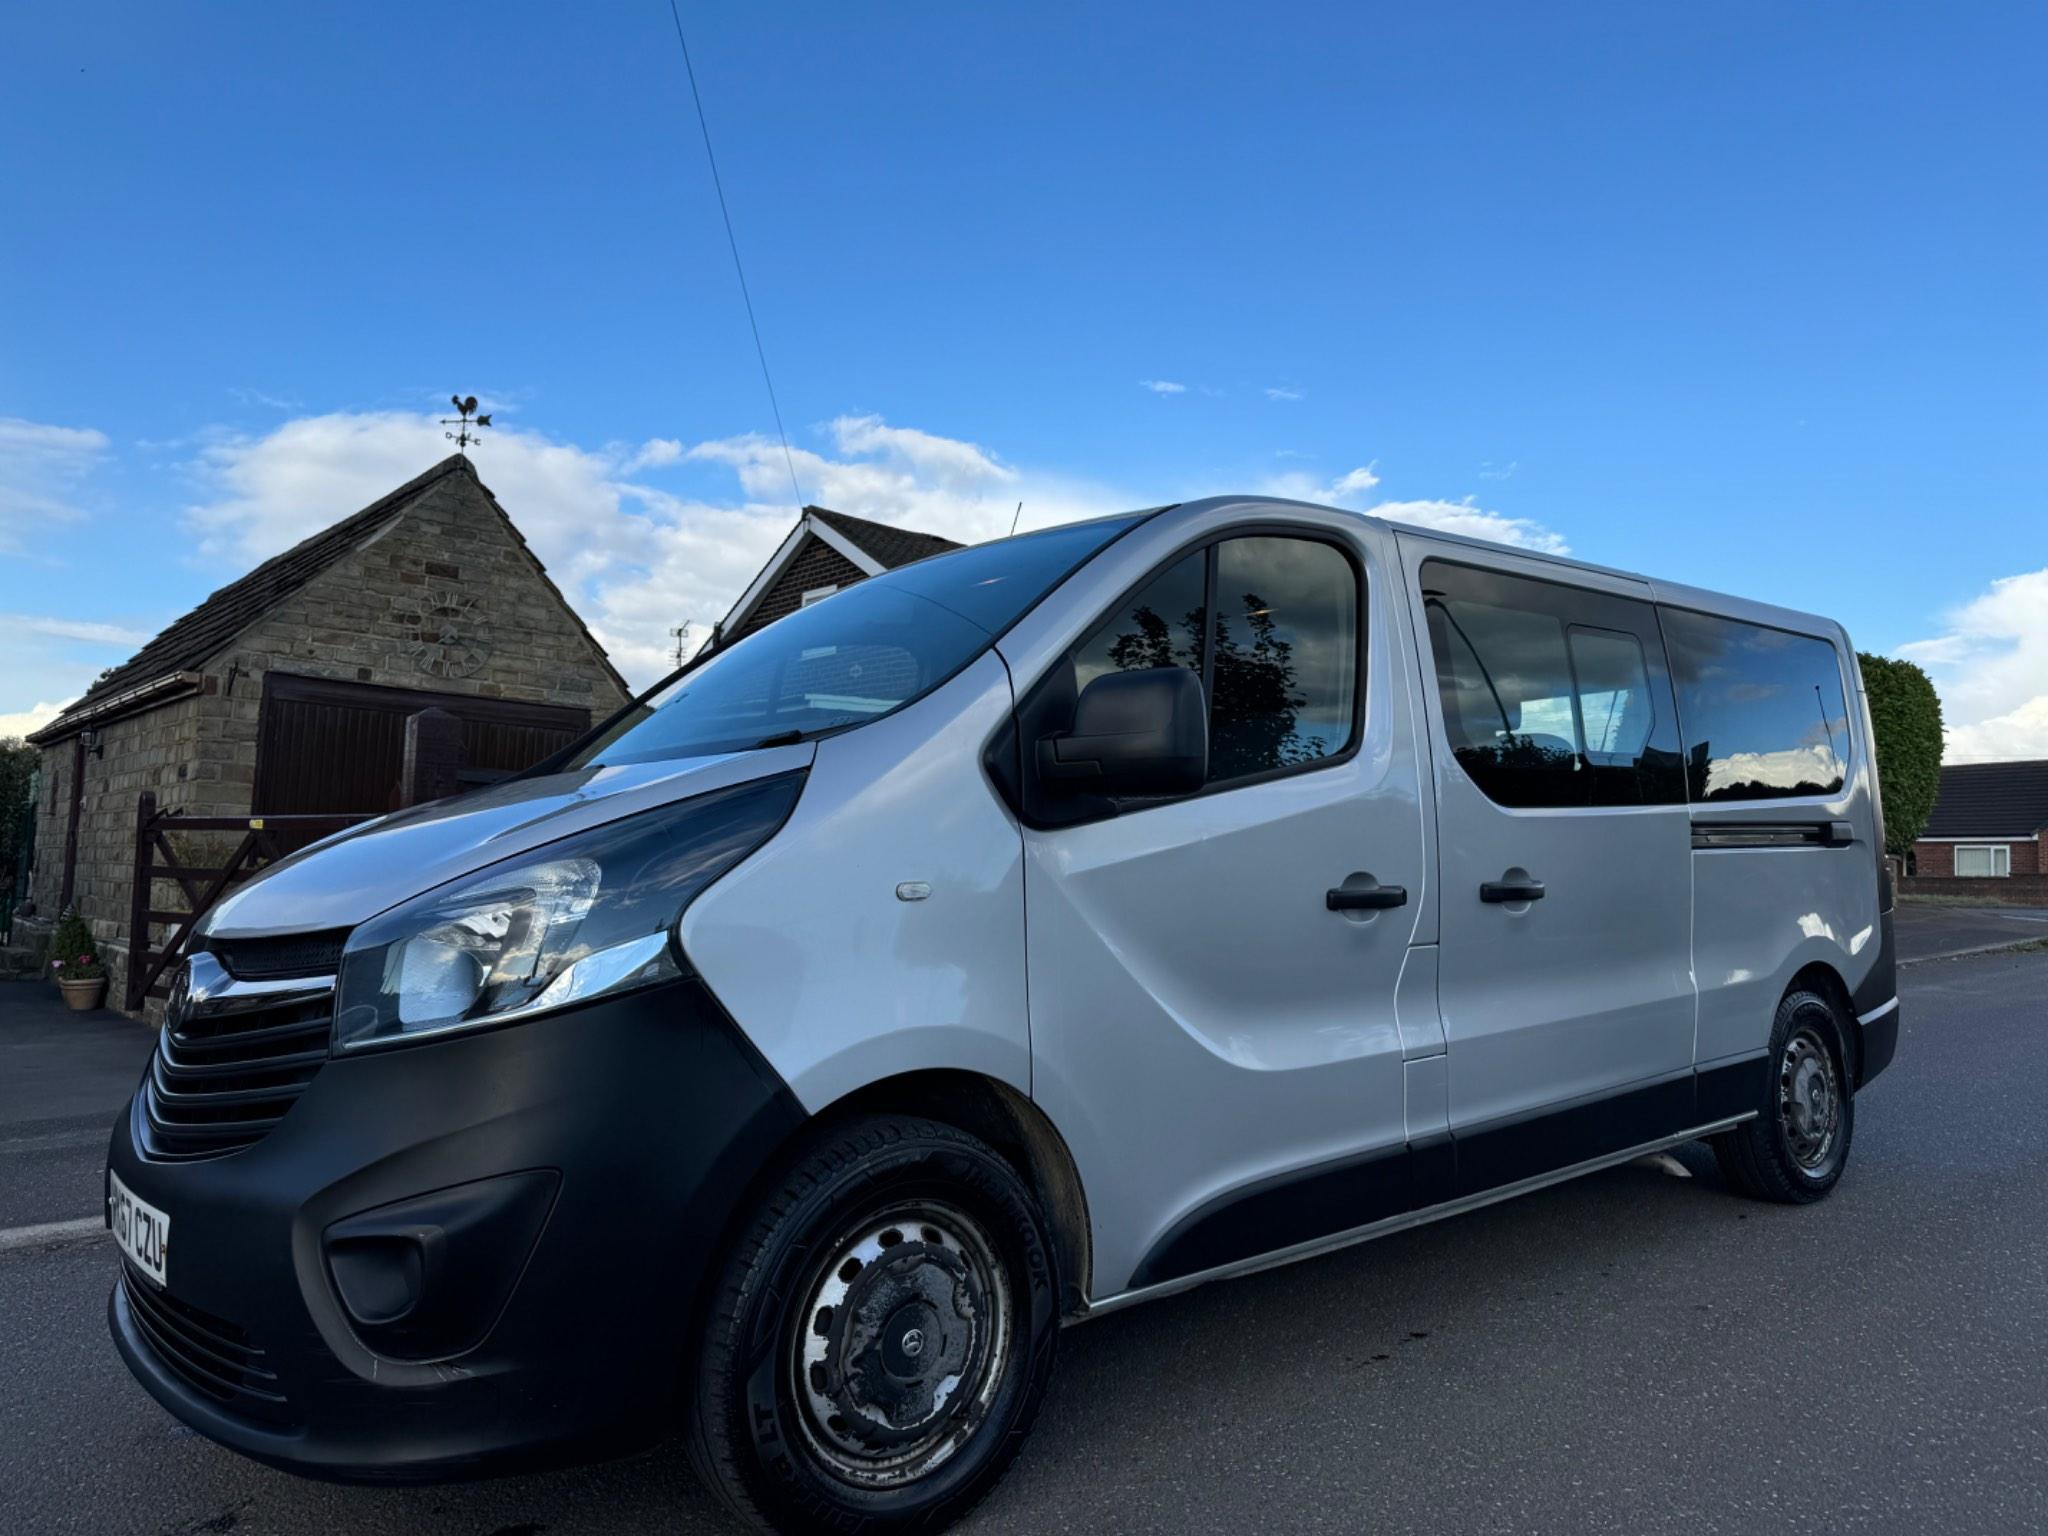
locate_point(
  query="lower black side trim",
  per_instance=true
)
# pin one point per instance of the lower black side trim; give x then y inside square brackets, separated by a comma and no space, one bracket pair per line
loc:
[1733,1087]
[1281,1211]
[1880,1044]
[1290,1209]
[1505,1152]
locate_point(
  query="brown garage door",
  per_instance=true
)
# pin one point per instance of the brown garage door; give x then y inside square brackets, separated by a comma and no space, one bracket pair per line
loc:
[328,747]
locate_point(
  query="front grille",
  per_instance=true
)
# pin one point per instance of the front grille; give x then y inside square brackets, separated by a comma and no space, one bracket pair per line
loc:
[210,1356]
[282,956]
[229,1065]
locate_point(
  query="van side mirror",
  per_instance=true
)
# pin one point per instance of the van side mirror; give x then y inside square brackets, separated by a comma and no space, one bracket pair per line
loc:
[1135,733]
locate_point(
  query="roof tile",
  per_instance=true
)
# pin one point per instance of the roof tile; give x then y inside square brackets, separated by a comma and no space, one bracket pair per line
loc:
[1991,800]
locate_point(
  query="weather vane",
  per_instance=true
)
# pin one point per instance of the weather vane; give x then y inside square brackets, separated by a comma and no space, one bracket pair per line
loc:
[465,408]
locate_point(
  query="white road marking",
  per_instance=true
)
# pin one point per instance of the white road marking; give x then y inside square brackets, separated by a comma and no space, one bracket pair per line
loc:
[83,1230]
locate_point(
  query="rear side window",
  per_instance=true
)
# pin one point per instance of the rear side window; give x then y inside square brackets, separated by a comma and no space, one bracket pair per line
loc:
[1762,709]
[1553,696]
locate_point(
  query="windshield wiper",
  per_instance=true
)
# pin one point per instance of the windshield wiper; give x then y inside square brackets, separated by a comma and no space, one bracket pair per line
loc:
[787,738]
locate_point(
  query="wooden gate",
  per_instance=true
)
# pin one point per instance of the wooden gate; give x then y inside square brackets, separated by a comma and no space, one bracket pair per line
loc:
[255,842]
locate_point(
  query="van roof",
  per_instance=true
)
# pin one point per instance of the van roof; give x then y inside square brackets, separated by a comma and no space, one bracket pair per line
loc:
[1678,594]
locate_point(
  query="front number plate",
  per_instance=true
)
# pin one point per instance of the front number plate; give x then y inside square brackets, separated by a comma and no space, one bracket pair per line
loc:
[143,1231]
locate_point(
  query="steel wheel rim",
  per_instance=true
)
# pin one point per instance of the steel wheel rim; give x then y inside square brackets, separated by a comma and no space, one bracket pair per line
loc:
[1809,1100]
[900,1343]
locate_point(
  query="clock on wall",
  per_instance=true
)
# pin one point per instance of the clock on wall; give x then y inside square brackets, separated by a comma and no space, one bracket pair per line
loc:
[451,640]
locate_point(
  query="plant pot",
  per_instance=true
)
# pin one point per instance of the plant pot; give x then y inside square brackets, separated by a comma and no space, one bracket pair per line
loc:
[85,993]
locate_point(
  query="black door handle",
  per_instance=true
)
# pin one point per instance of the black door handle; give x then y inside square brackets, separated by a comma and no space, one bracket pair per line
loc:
[1368,899]
[1511,890]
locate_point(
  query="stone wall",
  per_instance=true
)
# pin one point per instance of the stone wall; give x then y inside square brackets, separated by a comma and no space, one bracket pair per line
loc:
[159,750]
[449,560]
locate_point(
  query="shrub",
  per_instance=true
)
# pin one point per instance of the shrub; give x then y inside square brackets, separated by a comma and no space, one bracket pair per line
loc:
[1905,714]
[73,955]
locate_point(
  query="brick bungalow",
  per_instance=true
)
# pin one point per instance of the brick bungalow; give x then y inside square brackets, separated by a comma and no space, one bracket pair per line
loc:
[288,690]
[1988,835]
[824,552]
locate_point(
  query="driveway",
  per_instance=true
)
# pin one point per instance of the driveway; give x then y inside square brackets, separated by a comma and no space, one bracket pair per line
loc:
[63,1078]
[1636,1352]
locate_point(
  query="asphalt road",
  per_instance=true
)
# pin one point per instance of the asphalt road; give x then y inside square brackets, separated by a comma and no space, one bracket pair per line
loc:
[63,1077]
[1930,930]
[1635,1352]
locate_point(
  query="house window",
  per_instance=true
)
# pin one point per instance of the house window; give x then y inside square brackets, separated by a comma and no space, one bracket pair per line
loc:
[1983,861]
[818,594]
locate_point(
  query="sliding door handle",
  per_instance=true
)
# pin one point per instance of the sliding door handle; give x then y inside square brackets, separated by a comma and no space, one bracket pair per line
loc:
[1371,898]
[1511,890]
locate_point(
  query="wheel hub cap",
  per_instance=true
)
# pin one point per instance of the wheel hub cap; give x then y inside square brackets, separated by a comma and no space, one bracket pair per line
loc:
[903,1335]
[1809,1100]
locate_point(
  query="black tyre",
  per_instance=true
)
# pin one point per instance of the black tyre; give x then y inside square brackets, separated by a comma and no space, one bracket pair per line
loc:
[1795,1149]
[881,1336]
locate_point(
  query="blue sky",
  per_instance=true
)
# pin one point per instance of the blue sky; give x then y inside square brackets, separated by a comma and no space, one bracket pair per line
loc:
[1748,294]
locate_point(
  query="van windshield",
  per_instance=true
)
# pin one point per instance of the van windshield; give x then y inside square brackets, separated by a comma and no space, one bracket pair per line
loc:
[851,658]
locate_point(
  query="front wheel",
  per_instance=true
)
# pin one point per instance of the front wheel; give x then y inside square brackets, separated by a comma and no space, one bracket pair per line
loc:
[881,1336]
[1795,1149]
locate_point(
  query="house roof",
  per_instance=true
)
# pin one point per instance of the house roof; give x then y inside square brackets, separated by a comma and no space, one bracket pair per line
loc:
[872,547]
[186,642]
[889,546]
[2007,800]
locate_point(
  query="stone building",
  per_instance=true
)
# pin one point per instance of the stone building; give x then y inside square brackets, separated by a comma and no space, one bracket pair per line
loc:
[288,691]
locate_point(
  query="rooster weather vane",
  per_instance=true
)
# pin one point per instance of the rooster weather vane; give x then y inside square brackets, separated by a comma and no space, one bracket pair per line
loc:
[465,408]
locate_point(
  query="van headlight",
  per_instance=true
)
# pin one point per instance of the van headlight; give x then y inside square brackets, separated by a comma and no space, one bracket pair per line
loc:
[590,915]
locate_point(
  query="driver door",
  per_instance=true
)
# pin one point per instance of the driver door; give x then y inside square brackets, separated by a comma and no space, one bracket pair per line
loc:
[1219,1044]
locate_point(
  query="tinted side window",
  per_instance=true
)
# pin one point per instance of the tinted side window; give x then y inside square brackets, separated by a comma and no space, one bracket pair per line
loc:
[1285,683]
[1159,627]
[1762,709]
[1550,695]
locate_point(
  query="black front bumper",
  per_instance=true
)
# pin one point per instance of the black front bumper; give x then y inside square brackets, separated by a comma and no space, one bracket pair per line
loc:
[639,1122]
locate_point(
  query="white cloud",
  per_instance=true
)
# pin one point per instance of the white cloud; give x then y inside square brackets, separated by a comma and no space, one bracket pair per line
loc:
[635,559]
[1465,517]
[944,459]
[1163,386]
[1492,471]
[1275,392]
[654,453]
[1990,665]
[71,629]
[41,468]
[23,721]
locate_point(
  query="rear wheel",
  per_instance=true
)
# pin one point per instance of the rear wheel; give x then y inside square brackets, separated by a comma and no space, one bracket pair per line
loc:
[1796,1147]
[881,1336]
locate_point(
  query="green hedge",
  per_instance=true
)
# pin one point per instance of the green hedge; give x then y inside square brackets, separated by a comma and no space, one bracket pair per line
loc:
[1905,714]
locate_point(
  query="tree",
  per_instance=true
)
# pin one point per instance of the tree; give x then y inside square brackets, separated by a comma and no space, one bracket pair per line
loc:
[17,766]
[1905,715]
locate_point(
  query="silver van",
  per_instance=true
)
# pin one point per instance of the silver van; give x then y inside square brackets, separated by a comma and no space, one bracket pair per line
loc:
[1019,935]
